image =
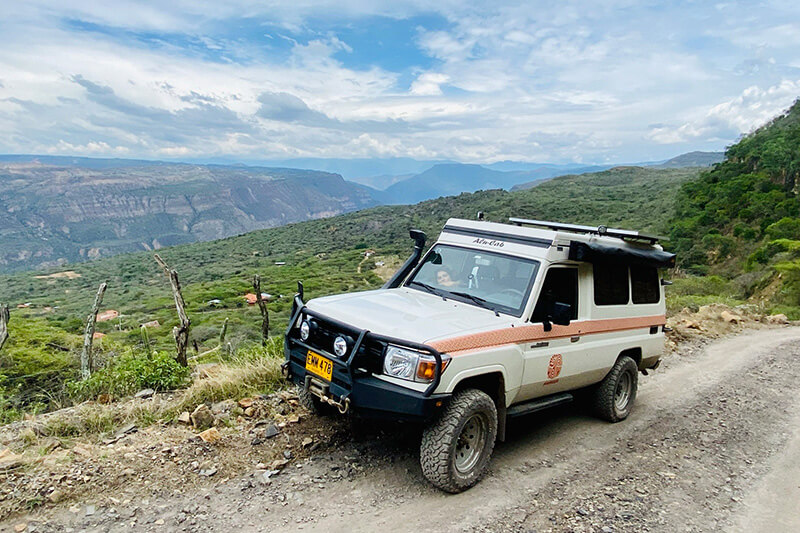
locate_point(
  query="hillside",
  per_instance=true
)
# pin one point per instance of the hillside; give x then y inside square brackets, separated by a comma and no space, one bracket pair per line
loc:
[742,218]
[693,159]
[72,209]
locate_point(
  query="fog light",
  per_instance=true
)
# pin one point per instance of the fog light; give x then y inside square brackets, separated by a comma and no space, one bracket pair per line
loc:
[340,346]
[305,330]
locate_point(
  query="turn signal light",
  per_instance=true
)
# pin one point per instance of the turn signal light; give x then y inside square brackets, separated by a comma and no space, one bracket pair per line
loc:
[426,369]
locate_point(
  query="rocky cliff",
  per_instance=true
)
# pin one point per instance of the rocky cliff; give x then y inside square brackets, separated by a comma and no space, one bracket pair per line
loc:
[53,214]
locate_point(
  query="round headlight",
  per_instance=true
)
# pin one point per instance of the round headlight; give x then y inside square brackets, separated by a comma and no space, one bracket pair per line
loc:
[305,330]
[340,346]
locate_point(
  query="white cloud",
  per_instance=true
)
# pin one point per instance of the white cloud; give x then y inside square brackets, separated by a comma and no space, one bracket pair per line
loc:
[752,108]
[90,148]
[549,81]
[429,83]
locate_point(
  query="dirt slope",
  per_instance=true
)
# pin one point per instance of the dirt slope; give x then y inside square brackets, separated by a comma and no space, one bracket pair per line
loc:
[713,444]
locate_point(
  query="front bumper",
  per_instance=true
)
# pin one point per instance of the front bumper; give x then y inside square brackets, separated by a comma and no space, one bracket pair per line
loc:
[353,385]
[374,398]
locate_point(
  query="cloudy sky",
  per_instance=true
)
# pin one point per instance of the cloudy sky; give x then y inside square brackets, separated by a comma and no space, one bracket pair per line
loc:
[566,81]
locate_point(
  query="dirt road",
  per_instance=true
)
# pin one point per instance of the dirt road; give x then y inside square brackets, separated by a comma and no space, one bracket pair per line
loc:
[713,444]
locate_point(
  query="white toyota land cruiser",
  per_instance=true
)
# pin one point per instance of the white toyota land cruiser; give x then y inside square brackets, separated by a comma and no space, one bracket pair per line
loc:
[496,321]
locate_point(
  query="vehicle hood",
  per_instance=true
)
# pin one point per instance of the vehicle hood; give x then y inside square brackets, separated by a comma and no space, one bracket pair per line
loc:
[409,314]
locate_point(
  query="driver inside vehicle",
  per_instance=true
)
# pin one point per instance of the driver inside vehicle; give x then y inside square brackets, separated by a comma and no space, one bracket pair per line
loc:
[445,279]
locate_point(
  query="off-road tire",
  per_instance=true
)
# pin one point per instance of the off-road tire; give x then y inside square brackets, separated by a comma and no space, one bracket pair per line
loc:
[608,400]
[312,403]
[440,441]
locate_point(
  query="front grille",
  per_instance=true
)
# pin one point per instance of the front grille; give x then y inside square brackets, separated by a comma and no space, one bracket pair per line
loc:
[370,356]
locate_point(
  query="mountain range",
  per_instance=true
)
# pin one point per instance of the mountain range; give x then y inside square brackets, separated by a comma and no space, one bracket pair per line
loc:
[60,209]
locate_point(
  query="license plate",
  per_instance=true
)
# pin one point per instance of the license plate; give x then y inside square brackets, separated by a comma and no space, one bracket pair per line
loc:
[319,365]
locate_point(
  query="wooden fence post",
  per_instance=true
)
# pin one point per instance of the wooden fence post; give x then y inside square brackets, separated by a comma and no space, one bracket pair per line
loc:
[223,332]
[262,305]
[181,333]
[5,316]
[87,361]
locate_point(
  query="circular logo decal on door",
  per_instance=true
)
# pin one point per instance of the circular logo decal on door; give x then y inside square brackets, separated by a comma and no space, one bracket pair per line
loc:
[554,368]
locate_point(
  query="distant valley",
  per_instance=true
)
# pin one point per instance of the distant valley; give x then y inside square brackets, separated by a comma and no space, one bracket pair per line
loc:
[56,213]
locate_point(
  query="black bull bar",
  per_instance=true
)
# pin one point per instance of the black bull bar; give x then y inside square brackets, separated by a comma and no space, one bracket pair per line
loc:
[361,336]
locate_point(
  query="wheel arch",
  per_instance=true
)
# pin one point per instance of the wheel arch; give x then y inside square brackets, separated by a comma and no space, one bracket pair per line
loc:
[634,353]
[492,381]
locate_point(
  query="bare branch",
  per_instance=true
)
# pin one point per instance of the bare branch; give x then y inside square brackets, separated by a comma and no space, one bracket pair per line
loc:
[161,263]
[181,334]
[87,361]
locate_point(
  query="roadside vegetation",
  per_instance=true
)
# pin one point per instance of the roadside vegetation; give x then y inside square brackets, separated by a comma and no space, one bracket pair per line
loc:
[740,221]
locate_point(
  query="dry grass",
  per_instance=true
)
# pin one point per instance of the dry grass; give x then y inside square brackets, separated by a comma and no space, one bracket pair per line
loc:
[251,373]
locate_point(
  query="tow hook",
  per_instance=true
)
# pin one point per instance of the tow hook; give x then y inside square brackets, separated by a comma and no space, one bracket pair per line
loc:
[342,406]
[285,369]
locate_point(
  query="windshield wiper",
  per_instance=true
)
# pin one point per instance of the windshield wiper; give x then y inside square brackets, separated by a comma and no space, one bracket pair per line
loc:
[427,287]
[477,299]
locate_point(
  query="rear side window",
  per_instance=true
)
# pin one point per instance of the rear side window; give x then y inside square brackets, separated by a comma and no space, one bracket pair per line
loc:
[610,284]
[645,285]
[560,285]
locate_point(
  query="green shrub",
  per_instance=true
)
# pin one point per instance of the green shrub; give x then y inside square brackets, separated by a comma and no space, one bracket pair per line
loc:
[700,286]
[773,248]
[785,228]
[129,373]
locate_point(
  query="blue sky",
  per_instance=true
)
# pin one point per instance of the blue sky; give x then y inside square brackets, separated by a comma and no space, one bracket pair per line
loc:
[587,82]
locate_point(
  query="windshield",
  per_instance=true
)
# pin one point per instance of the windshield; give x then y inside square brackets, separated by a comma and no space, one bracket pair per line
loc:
[486,279]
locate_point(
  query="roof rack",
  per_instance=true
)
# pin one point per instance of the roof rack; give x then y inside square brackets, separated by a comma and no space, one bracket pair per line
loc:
[598,230]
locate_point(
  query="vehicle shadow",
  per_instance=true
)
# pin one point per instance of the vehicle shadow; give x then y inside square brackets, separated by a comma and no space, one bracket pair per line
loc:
[376,439]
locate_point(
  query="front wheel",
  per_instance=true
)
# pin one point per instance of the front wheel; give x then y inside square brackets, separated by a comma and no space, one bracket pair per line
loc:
[456,447]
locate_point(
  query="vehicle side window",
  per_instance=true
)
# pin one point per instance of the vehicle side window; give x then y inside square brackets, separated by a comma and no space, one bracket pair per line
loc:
[645,285]
[560,285]
[610,284]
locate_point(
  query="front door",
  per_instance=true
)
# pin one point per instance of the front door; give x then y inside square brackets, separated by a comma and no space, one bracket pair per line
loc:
[553,364]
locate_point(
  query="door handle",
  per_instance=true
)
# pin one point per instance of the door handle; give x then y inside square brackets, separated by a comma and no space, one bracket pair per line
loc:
[574,339]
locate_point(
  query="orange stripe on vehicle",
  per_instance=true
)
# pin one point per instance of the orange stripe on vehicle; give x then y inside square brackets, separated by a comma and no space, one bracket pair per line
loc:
[536,332]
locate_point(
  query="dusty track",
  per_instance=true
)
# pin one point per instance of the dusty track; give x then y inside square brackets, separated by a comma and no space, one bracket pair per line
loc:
[713,444]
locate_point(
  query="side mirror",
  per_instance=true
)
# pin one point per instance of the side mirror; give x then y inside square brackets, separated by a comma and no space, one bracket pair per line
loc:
[562,314]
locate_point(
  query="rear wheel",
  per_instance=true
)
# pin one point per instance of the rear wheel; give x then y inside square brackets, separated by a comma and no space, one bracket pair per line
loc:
[456,448]
[614,396]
